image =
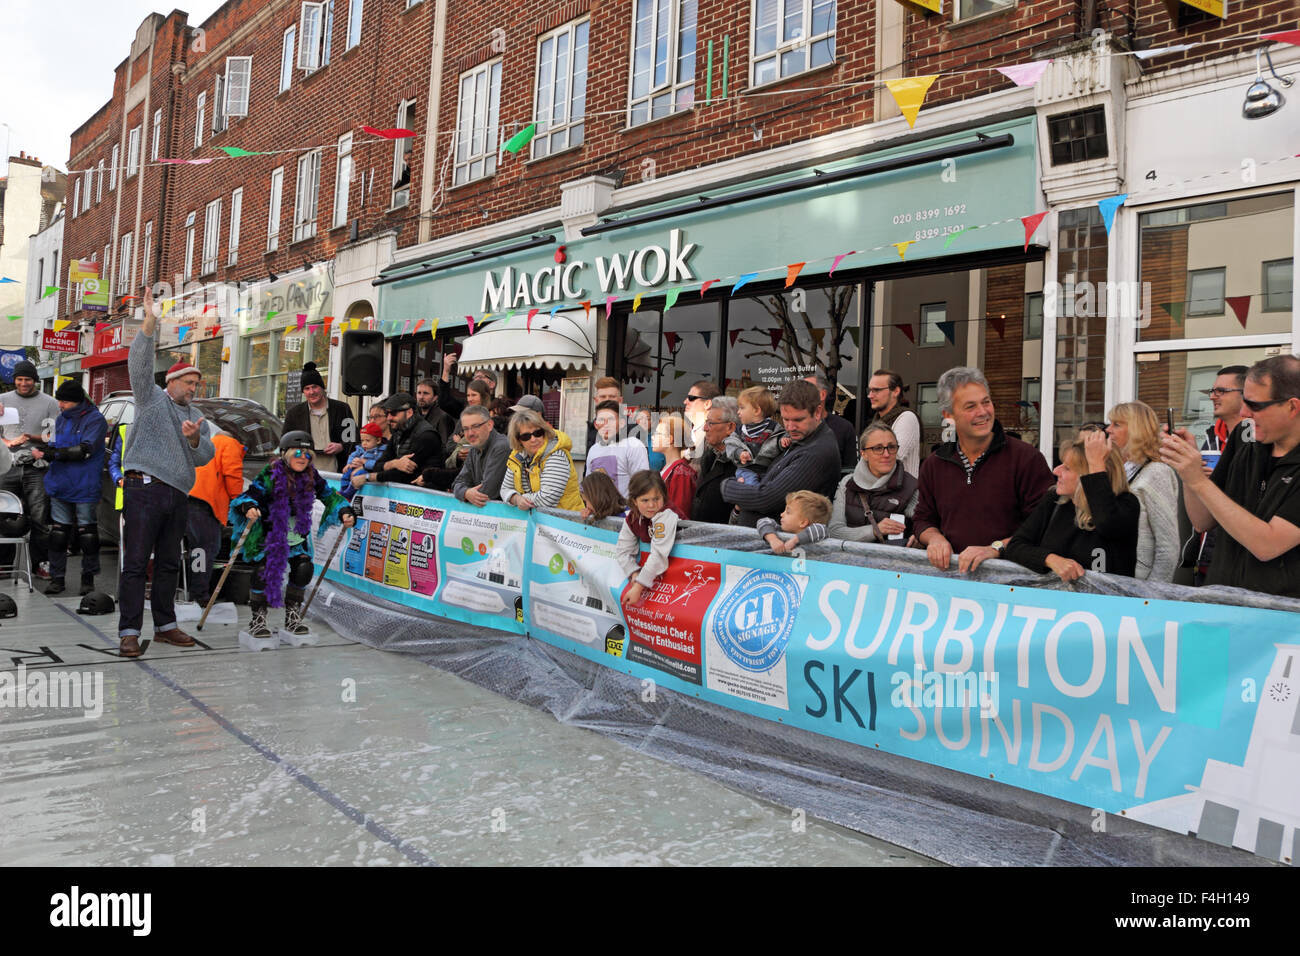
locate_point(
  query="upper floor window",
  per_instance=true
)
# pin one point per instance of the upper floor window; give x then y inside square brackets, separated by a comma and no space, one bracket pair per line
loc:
[239,72]
[561,88]
[90,185]
[354,22]
[112,167]
[968,9]
[304,215]
[99,182]
[133,152]
[316,27]
[401,155]
[200,117]
[211,235]
[286,58]
[663,59]
[477,121]
[791,36]
[157,132]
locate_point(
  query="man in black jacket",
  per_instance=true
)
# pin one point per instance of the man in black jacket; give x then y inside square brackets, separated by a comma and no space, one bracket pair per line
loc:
[414,445]
[328,421]
[426,406]
[720,422]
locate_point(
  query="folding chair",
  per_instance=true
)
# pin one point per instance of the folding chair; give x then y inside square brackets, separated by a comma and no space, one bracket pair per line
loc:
[10,503]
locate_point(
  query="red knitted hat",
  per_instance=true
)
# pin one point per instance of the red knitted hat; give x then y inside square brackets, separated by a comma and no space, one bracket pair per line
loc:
[182,368]
[373,429]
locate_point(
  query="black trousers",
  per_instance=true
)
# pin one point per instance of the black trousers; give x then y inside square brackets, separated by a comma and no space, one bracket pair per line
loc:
[155,515]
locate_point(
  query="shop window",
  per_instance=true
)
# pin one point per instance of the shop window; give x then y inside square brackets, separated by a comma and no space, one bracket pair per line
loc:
[1178,380]
[931,317]
[1034,315]
[269,357]
[561,89]
[665,354]
[791,36]
[1082,263]
[476,129]
[1217,270]
[1278,279]
[663,59]
[1077,136]
[927,405]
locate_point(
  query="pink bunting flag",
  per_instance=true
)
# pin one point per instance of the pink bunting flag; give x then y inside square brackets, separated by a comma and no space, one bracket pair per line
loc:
[190,162]
[792,272]
[705,288]
[531,313]
[1025,74]
[208,308]
[1031,225]
[395,133]
[836,264]
[302,320]
[1240,305]
[609,304]
[469,320]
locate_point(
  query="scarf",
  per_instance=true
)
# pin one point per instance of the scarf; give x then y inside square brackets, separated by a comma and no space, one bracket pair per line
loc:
[867,497]
[289,493]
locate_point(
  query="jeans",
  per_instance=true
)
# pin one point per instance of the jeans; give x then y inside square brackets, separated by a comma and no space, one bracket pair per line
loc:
[28,483]
[204,533]
[75,515]
[154,516]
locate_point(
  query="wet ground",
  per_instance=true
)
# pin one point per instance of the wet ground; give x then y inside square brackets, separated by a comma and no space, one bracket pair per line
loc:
[337,754]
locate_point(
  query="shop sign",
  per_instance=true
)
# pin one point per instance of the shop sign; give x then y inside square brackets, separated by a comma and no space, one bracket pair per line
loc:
[68,340]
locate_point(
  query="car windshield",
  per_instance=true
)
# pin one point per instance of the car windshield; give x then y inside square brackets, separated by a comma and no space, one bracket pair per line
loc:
[256,428]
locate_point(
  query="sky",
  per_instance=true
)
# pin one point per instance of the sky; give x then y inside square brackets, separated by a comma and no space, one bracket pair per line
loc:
[56,65]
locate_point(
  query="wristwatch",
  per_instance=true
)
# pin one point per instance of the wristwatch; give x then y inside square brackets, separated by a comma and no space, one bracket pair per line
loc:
[998,546]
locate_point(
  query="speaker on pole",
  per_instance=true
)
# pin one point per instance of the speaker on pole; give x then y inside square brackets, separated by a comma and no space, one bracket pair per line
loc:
[363,362]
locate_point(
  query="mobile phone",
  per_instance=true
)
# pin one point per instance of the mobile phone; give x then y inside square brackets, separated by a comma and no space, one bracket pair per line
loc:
[1169,417]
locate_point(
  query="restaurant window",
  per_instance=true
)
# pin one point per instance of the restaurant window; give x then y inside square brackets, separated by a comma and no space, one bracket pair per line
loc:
[1279,276]
[663,355]
[932,317]
[1082,264]
[270,356]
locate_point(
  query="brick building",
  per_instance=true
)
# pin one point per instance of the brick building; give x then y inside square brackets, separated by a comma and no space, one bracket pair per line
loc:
[684,141]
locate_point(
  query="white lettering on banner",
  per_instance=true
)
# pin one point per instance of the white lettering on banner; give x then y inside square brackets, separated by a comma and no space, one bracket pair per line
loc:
[648,267]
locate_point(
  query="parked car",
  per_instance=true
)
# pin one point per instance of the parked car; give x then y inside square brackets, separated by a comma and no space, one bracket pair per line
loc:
[251,423]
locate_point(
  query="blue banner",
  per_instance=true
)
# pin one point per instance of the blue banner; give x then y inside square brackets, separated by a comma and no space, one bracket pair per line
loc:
[8,359]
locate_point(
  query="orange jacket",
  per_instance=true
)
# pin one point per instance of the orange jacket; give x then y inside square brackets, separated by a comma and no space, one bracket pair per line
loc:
[222,478]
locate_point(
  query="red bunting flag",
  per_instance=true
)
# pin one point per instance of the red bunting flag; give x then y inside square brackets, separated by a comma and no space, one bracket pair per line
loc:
[733,334]
[529,323]
[671,339]
[586,309]
[1031,224]
[907,329]
[418,324]
[329,320]
[208,308]
[998,324]
[469,320]
[792,272]
[1285,36]
[1240,305]
[396,133]
[705,288]
[775,335]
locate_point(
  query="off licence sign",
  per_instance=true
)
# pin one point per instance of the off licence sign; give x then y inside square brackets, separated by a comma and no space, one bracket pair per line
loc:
[68,340]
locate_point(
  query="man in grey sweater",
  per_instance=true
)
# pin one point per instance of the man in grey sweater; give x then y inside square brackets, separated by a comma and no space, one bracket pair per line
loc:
[167,441]
[26,479]
[479,480]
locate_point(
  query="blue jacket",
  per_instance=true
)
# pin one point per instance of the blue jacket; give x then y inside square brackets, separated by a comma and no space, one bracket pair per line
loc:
[369,459]
[76,455]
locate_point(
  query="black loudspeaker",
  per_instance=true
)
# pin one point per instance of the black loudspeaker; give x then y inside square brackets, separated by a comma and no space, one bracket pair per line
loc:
[363,362]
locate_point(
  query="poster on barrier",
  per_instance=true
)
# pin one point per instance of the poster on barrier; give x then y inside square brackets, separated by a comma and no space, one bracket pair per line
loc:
[572,587]
[482,564]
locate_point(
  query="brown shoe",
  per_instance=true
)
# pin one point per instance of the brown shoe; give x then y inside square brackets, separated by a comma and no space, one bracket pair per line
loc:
[130,646]
[175,636]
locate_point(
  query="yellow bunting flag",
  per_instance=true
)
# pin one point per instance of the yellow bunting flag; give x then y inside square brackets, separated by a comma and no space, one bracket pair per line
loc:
[166,307]
[636,303]
[902,248]
[433,330]
[909,93]
[61,324]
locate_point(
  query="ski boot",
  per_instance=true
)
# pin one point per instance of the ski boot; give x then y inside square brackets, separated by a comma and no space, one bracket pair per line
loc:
[257,636]
[295,632]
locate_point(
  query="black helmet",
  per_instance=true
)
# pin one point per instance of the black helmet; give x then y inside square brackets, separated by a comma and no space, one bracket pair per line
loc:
[97,602]
[8,608]
[296,439]
[13,525]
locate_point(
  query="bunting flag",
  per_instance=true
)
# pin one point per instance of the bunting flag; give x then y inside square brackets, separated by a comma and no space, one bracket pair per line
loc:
[312,329]
[1031,226]
[636,303]
[853,334]
[166,307]
[671,339]
[521,139]
[183,331]
[1240,305]
[733,334]
[1025,74]
[395,133]
[664,394]
[271,315]
[743,281]
[907,329]
[302,320]
[234,152]
[909,93]
[50,290]
[469,320]
[1284,36]
[190,162]
[1175,310]
[638,388]
[708,339]
[679,372]
[419,323]
[406,329]
[14,318]
[1108,207]
[586,309]
[705,288]
[836,264]
[999,324]
[818,336]
[949,330]
[1148,54]
[433,329]
[953,235]
[775,335]
[329,320]
[6,279]
[206,309]
[609,305]
[792,272]
[902,247]
[556,309]
[59,324]
[670,298]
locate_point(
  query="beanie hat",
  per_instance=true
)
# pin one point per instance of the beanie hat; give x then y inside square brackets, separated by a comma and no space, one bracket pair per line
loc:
[373,429]
[25,369]
[182,368]
[310,376]
[70,391]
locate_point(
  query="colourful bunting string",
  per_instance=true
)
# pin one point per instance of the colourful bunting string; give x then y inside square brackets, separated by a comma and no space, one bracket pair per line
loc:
[743,281]
[792,272]
[907,329]
[394,133]
[1031,225]
[234,152]
[586,309]
[1240,305]
[1108,207]
[902,247]
[521,139]
[302,320]
[636,302]
[909,93]
[670,298]
[1025,74]
[836,264]
[705,288]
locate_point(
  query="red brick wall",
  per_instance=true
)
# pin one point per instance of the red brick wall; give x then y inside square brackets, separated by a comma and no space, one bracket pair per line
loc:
[1004,354]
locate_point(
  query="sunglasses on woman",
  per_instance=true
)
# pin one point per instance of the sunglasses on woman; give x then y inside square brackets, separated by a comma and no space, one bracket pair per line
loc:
[529,436]
[301,453]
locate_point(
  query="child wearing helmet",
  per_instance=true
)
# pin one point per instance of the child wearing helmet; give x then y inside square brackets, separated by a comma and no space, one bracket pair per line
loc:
[279,501]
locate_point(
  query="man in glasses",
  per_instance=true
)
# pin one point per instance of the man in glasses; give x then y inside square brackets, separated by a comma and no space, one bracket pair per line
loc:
[889,407]
[479,479]
[607,390]
[1253,496]
[695,408]
[414,446]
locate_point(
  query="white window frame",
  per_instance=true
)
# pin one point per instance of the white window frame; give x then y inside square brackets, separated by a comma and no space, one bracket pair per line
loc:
[76,196]
[286,57]
[106,273]
[112,168]
[273,210]
[306,196]
[219,104]
[311,31]
[671,86]
[157,132]
[327,34]
[200,117]
[211,237]
[566,130]
[144,252]
[236,213]
[90,187]
[124,262]
[356,10]
[99,182]
[189,247]
[803,43]
[401,195]
[477,129]
[342,181]
[1000,6]
[133,152]
[239,82]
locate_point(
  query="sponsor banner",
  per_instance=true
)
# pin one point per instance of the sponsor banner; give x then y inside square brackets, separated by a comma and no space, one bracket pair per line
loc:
[1178,714]
[482,559]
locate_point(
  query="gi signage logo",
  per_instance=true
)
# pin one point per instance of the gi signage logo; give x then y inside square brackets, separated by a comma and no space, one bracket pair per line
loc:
[754,622]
